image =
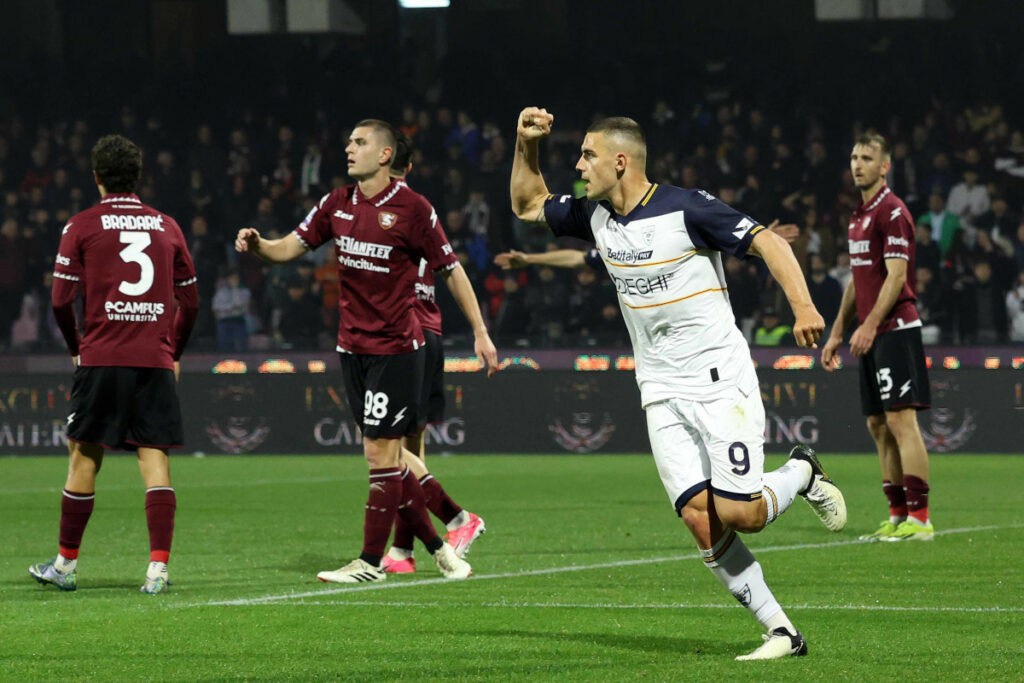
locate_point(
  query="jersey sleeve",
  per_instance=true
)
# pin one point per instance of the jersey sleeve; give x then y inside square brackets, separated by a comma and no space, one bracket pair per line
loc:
[899,234]
[315,228]
[569,217]
[68,264]
[184,269]
[433,241]
[593,259]
[713,224]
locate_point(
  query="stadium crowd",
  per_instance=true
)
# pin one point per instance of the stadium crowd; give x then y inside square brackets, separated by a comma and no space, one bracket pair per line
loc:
[959,169]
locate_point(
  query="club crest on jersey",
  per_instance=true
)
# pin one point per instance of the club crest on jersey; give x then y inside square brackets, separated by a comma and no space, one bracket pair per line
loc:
[387,219]
[648,234]
[866,223]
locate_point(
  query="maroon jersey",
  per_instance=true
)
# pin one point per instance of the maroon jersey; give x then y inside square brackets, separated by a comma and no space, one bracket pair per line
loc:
[881,229]
[128,260]
[426,302]
[380,241]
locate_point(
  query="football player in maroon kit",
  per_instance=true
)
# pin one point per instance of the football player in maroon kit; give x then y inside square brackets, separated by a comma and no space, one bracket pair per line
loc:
[382,230]
[131,264]
[464,527]
[893,374]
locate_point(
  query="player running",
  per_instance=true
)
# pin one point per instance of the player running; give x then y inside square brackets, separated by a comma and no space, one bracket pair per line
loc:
[131,263]
[382,230]
[464,527]
[893,374]
[661,246]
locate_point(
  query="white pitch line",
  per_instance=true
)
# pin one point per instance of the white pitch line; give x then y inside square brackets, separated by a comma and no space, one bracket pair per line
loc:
[654,606]
[551,570]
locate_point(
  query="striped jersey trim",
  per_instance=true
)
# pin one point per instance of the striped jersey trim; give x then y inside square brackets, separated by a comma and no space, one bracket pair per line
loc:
[184,283]
[656,263]
[62,276]
[650,193]
[160,488]
[73,496]
[675,301]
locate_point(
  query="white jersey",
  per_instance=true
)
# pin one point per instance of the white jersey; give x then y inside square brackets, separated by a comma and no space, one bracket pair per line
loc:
[665,260]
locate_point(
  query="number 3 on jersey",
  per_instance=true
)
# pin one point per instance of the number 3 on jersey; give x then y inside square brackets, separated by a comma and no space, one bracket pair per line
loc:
[135,252]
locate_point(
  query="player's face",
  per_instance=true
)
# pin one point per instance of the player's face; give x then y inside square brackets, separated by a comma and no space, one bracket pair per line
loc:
[366,152]
[868,165]
[597,166]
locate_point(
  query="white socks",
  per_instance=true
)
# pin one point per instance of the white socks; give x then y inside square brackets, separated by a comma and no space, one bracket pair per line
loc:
[396,553]
[64,565]
[733,564]
[156,570]
[781,486]
[458,520]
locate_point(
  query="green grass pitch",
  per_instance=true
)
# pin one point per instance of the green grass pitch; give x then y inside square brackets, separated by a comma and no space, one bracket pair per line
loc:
[585,574]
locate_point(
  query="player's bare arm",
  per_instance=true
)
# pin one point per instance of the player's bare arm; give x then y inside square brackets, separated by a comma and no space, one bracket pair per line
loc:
[462,290]
[864,336]
[287,248]
[779,258]
[560,258]
[527,186]
[829,357]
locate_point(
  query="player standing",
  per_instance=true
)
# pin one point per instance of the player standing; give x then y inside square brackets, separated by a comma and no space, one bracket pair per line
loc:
[661,246]
[464,527]
[131,264]
[893,374]
[382,230]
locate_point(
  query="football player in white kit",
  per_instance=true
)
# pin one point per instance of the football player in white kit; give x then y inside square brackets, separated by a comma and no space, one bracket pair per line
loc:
[662,247]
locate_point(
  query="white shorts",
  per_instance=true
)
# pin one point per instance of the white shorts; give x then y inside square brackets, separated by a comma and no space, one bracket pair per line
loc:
[718,443]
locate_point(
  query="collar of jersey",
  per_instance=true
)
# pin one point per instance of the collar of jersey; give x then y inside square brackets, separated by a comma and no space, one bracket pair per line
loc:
[874,201]
[382,197]
[121,197]
[636,210]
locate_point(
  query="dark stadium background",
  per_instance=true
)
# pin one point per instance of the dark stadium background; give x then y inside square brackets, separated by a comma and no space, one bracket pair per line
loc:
[227,122]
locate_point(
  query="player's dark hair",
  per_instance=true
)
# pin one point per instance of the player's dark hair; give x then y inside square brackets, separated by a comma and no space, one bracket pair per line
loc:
[872,138]
[118,163]
[402,156]
[389,132]
[620,125]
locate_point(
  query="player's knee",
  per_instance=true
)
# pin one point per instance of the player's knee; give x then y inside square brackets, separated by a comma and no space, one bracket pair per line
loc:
[696,521]
[902,423]
[877,427]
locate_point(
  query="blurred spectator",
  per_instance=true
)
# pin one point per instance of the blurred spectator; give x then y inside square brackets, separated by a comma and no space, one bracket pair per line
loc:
[300,320]
[1015,309]
[825,291]
[984,316]
[1000,223]
[13,254]
[741,277]
[548,302]
[927,254]
[231,307]
[969,200]
[942,222]
[772,332]
[931,305]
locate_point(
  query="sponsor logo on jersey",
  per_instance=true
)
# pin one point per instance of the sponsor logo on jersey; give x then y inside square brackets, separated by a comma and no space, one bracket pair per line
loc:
[349,245]
[742,228]
[706,195]
[898,242]
[132,222]
[343,216]
[424,292]
[860,247]
[641,286]
[629,256]
[895,213]
[66,228]
[387,219]
[133,311]
[63,260]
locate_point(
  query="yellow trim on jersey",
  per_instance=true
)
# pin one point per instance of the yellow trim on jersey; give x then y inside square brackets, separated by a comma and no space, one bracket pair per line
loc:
[657,263]
[647,198]
[756,230]
[675,301]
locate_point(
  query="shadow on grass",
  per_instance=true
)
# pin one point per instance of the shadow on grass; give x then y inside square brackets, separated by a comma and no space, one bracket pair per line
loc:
[650,644]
